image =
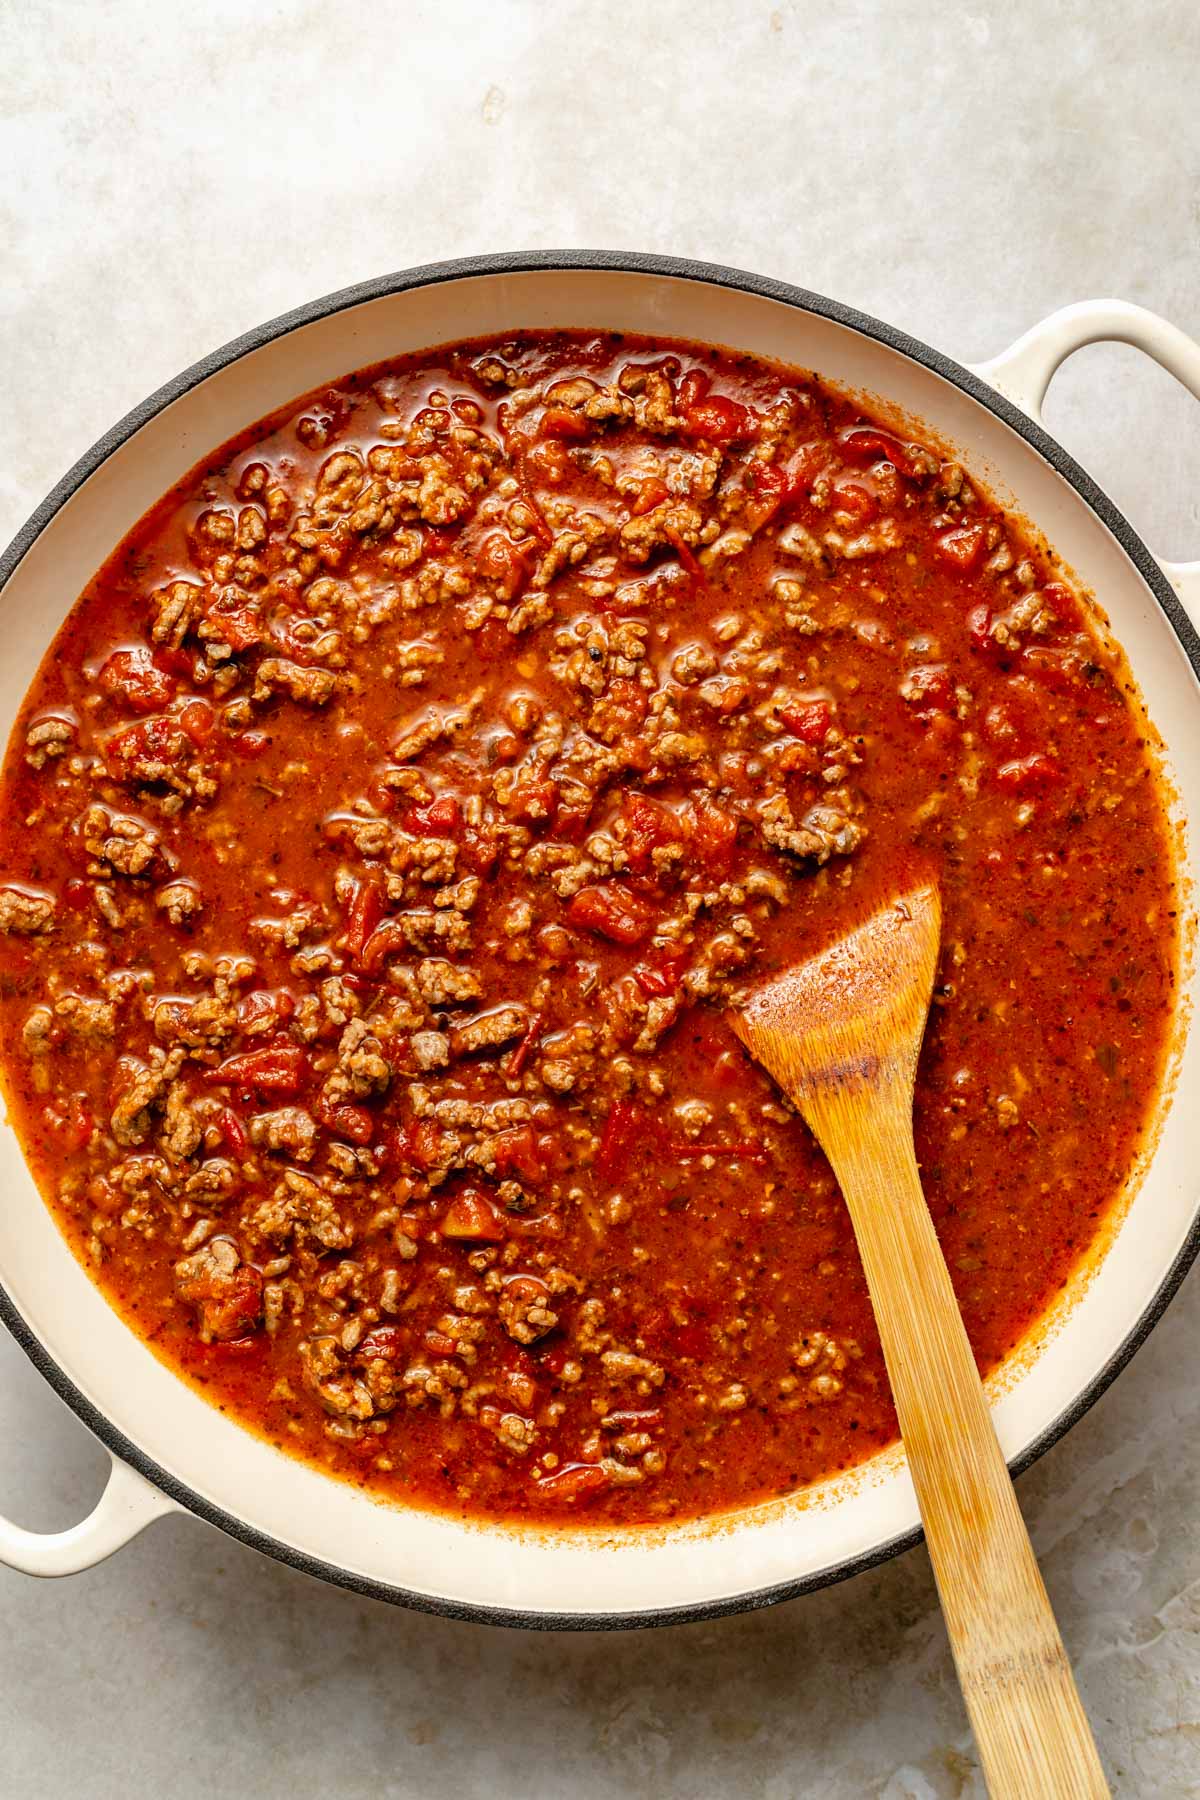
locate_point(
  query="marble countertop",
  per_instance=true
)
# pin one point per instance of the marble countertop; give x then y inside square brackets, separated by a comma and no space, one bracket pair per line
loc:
[175,175]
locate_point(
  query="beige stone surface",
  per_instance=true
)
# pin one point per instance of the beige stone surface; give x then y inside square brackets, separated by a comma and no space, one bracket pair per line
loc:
[174,173]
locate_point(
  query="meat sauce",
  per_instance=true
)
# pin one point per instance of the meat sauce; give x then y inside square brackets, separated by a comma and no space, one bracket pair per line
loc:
[390,825]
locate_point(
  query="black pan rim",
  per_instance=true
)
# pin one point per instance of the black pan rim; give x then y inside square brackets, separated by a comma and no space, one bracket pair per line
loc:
[715,275]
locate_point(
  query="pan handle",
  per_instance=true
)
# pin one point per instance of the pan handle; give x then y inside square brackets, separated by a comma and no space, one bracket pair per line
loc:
[127,1505]
[1024,371]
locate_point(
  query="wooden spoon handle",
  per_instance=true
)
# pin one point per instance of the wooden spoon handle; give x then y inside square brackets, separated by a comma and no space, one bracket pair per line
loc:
[1031,1729]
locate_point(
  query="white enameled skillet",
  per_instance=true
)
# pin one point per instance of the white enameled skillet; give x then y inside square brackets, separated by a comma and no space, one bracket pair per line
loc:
[170,1450]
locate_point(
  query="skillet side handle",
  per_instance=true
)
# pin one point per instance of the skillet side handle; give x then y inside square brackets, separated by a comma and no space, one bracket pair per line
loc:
[1024,371]
[127,1505]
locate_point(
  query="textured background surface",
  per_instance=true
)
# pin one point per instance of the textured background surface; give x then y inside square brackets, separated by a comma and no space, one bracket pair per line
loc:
[171,176]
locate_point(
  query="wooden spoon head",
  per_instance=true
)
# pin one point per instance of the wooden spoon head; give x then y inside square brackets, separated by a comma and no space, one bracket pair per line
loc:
[853,1015]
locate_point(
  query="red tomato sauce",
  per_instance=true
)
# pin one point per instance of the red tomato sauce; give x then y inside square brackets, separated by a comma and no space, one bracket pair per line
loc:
[394,818]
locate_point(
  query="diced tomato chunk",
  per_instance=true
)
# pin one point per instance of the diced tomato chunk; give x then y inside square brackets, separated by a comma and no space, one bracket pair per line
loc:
[687,556]
[664,975]
[797,474]
[198,719]
[276,1068]
[248,744]
[714,834]
[517,1057]
[518,1153]
[549,460]
[540,524]
[533,800]
[383,942]
[442,817]
[809,720]
[1065,604]
[649,825]
[418,1143]
[1029,774]
[473,1217]
[692,388]
[525,1289]
[137,752]
[381,796]
[518,1388]
[574,1484]
[561,422]
[238,626]
[354,1123]
[770,483]
[856,499]
[438,542]
[962,547]
[867,444]
[229,1305]
[621,1130]
[502,561]
[255,1009]
[363,914]
[238,1311]
[627,697]
[233,1131]
[720,420]
[612,911]
[173,662]
[650,494]
[131,675]
[929,686]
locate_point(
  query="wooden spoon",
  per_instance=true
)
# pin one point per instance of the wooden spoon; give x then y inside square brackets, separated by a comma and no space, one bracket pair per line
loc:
[841,1034]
